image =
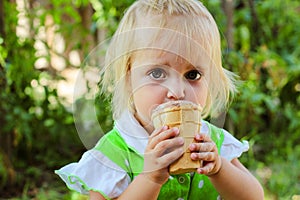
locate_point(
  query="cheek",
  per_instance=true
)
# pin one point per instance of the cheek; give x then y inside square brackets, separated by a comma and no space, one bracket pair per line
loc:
[202,98]
[145,99]
[198,94]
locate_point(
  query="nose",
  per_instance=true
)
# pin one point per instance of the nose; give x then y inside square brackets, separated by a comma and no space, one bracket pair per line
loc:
[176,90]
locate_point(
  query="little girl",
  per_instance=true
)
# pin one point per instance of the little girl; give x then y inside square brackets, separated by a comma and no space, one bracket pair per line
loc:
[164,50]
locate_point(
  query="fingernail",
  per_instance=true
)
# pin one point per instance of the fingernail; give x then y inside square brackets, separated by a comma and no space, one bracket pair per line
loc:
[181,140]
[193,156]
[176,130]
[182,150]
[192,146]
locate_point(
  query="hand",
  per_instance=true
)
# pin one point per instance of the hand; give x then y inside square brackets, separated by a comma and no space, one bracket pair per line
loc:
[205,149]
[162,149]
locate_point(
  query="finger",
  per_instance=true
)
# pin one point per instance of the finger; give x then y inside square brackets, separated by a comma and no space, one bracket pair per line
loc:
[158,131]
[163,135]
[202,147]
[205,156]
[170,157]
[210,168]
[165,153]
[206,169]
[202,137]
[166,146]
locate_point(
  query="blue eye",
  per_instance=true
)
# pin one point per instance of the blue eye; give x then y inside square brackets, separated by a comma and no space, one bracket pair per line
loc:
[157,73]
[193,75]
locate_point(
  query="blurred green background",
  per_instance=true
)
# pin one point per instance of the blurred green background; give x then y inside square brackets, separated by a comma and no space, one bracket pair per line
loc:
[44,44]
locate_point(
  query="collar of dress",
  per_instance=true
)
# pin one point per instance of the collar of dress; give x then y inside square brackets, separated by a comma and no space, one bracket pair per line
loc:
[134,134]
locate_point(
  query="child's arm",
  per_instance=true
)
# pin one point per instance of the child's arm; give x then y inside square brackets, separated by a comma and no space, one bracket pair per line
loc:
[234,181]
[140,188]
[163,148]
[231,179]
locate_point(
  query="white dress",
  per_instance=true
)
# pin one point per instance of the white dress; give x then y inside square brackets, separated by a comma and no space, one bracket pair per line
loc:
[96,172]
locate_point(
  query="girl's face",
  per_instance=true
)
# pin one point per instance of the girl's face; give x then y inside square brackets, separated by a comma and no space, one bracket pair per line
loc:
[158,77]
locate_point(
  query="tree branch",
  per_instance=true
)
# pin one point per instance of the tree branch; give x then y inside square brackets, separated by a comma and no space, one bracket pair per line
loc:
[2,30]
[228,8]
[255,25]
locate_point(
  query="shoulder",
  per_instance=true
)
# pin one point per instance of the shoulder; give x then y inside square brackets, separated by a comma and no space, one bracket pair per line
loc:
[232,147]
[101,169]
[92,171]
[216,133]
[211,128]
[111,139]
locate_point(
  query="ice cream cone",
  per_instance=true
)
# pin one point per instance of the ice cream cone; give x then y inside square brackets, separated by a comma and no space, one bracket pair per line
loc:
[187,117]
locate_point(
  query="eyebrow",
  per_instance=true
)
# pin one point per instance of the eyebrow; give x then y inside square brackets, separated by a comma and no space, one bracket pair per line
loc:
[200,67]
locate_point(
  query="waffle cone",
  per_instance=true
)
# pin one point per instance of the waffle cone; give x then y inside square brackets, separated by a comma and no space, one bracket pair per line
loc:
[187,117]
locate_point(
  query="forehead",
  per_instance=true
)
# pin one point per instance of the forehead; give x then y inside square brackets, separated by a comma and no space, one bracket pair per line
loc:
[158,57]
[151,57]
[176,35]
[168,44]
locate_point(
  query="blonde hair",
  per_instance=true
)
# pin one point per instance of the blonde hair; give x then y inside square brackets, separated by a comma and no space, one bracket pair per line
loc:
[159,14]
